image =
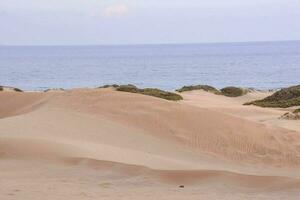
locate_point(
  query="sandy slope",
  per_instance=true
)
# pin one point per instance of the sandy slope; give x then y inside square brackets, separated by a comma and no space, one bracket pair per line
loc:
[234,106]
[103,144]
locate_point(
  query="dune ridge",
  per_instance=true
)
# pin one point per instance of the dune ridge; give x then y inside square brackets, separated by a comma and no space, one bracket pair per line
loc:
[148,140]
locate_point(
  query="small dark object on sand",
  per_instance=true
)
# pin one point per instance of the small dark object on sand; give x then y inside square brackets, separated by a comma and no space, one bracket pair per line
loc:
[181,186]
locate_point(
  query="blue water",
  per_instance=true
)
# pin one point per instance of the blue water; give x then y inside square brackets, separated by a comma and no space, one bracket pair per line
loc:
[261,65]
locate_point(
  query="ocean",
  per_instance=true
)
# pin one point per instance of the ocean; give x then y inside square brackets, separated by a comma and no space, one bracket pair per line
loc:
[261,65]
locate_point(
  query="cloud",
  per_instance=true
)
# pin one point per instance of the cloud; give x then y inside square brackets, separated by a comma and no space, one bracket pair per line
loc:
[116,10]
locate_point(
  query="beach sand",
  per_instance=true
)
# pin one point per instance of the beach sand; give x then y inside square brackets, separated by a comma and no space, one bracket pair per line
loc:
[104,144]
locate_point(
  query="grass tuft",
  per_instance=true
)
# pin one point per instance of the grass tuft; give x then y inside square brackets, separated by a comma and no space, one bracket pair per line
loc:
[128,88]
[54,89]
[283,98]
[206,88]
[2,88]
[234,91]
[17,90]
[297,111]
[150,92]
[109,86]
[290,116]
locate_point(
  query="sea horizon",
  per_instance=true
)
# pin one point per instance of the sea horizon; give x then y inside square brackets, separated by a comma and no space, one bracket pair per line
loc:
[260,65]
[151,44]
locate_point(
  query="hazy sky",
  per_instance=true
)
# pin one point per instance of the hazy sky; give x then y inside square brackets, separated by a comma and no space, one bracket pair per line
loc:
[37,22]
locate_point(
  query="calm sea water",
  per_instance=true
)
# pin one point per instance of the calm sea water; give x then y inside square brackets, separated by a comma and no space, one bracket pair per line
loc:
[260,65]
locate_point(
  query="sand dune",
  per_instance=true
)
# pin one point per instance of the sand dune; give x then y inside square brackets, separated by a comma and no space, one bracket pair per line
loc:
[234,106]
[100,143]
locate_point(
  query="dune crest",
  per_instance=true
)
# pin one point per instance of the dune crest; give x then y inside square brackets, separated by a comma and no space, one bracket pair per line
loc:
[141,139]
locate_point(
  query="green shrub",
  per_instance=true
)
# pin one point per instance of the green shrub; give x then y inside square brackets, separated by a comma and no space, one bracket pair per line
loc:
[283,98]
[161,94]
[150,92]
[234,91]
[14,89]
[206,88]
[128,88]
[109,86]
[17,90]
[297,111]
[290,116]
[54,89]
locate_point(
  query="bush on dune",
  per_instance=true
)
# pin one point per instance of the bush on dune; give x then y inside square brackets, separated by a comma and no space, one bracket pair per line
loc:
[297,111]
[150,92]
[284,98]
[206,88]
[109,86]
[17,90]
[234,91]
[128,88]
[290,116]
[54,89]
[2,88]
[228,91]
[161,94]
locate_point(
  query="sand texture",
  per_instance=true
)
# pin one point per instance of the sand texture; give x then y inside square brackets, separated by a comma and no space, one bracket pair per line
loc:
[104,144]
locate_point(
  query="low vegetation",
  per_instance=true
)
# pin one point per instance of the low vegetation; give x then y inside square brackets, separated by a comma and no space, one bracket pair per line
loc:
[2,88]
[234,91]
[17,90]
[150,92]
[297,111]
[206,88]
[227,91]
[283,98]
[54,89]
[290,116]
[109,86]
[128,88]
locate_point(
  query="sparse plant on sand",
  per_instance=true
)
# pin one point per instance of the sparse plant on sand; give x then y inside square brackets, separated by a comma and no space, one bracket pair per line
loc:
[290,116]
[234,91]
[297,111]
[54,89]
[109,86]
[2,88]
[150,92]
[283,98]
[206,88]
[17,90]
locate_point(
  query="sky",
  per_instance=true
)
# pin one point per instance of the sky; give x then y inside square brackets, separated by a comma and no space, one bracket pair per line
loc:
[83,22]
